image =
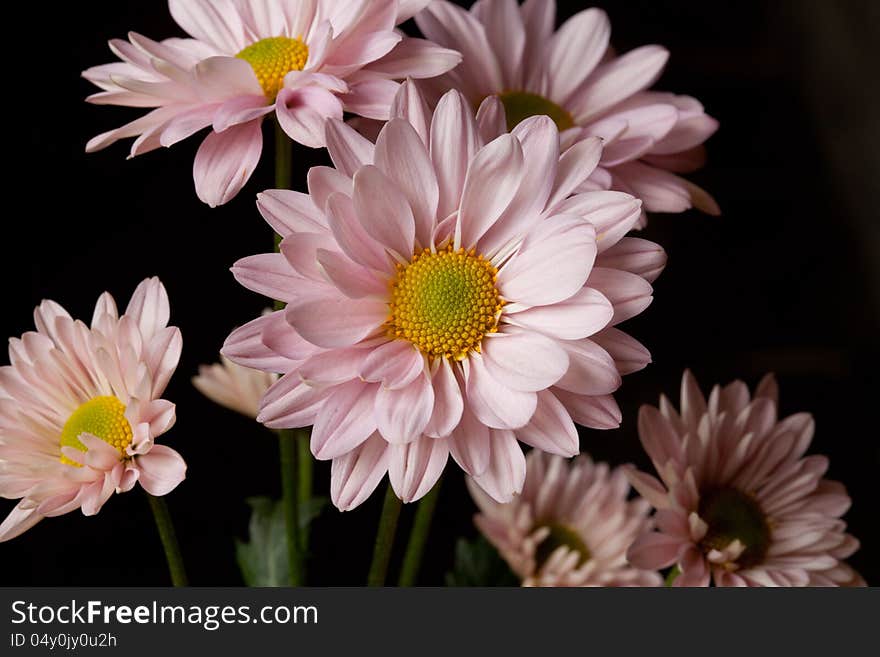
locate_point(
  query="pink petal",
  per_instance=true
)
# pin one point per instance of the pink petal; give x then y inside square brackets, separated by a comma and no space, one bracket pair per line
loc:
[525,361]
[506,473]
[352,237]
[653,551]
[355,475]
[225,162]
[636,256]
[162,469]
[585,313]
[402,156]
[576,49]
[403,414]
[415,59]
[552,264]
[395,364]
[336,321]
[416,466]
[149,307]
[551,428]
[492,181]
[591,370]
[384,211]
[448,401]
[618,80]
[596,412]
[494,404]
[290,212]
[302,112]
[371,98]
[469,445]
[454,141]
[348,149]
[344,421]
[215,21]
[350,278]
[628,293]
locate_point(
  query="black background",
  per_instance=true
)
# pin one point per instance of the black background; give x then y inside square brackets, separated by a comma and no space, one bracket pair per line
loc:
[786,280]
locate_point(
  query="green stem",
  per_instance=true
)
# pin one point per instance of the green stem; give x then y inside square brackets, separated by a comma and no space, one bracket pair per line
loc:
[304,493]
[415,548]
[169,540]
[672,575]
[288,439]
[287,443]
[384,539]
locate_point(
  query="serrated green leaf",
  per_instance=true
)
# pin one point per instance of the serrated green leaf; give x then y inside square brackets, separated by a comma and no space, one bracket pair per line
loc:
[477,563]
[263,559]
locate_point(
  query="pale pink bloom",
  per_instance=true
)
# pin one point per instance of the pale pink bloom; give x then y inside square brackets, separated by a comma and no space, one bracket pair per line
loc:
[571,526]
[512,53]
[233,386]
[738,502]
[80,408]
[300,60]
[446,296]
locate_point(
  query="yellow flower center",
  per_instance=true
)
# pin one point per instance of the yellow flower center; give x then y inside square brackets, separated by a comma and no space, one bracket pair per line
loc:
[445,302]
[520,105]
[273,58]
[103,417]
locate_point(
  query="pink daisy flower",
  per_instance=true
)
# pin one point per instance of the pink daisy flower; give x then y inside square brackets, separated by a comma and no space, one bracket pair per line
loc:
[511,53]
[446,296]
[571,526]
[301,60]
[81,407]
[738,502]
[237,388]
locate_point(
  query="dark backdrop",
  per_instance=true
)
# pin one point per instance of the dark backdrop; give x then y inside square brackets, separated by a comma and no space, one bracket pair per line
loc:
[786,280]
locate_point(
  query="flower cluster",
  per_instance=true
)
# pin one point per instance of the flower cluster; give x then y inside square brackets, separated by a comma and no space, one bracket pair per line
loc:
[453,286]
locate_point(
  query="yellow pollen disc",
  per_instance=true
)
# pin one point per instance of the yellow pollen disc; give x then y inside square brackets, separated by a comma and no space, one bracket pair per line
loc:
[103,417]
[273,58]
[445,303]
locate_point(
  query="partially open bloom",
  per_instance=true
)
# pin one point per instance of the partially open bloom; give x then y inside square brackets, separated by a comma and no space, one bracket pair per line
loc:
[233,386]
[512,53]
[446,295]
[739,503]
[80,408]
[571,526]
[301,60]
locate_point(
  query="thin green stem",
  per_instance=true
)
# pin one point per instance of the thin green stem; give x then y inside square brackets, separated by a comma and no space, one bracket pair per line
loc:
[384,539]
[287,438]
[287,444]
[304,492]
[415,548]
[169,540]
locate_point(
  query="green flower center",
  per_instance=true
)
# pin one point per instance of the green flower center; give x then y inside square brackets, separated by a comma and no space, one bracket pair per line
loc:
[560,535]
[444,303]
[733,515]
[103,417]
[274,58]
[520,105]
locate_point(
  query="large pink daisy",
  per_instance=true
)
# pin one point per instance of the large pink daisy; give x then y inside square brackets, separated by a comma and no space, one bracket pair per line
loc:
[446,296]
[512,53]
[80,408]
[571,526]
[739,503]
[301,60]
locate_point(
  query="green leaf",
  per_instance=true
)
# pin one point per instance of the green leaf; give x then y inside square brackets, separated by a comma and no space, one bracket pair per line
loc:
[477,563]
[263,560]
